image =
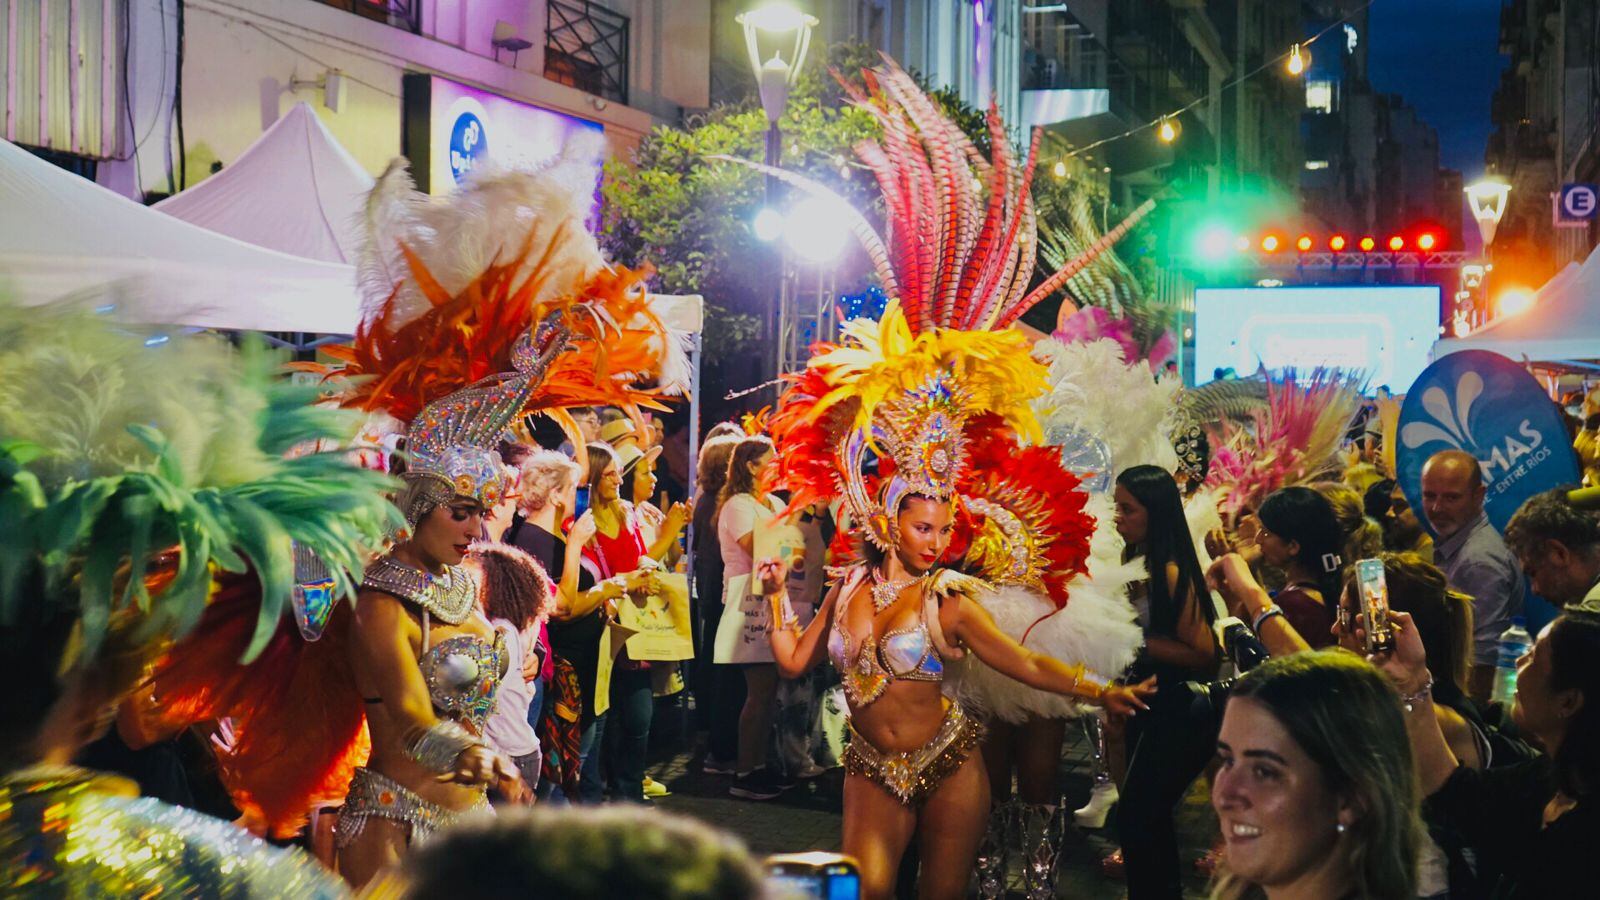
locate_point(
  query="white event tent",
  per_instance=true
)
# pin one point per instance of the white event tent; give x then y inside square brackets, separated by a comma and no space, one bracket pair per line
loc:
[295,190]
[1562,326]
[63,236]
[267,244]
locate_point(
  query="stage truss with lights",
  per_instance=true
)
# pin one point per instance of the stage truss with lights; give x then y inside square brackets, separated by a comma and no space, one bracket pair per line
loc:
[1441,259]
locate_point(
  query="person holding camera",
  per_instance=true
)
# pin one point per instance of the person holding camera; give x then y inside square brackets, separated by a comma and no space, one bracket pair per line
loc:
[1532,827]
[1300,535]
[1316,793]
[1165,752]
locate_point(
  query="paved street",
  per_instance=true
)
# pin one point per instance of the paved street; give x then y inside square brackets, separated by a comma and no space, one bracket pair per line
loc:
[807,818]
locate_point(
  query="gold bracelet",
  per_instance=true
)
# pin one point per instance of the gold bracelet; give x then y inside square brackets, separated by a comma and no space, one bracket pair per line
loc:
[1085,685]
[783,616]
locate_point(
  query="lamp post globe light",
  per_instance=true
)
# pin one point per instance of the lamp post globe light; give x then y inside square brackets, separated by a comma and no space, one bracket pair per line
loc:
[1487,198]
[777,37]
[778,27]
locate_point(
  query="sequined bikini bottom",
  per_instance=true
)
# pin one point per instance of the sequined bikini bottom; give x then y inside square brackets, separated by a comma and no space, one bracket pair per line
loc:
[375,795]
[913,775]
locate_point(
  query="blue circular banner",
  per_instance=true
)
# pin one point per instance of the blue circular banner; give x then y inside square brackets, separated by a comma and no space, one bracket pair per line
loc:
[469,143]
[1491,407]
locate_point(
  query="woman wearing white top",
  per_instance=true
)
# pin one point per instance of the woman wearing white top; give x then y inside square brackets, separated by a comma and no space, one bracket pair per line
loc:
[747,507]
[515,593]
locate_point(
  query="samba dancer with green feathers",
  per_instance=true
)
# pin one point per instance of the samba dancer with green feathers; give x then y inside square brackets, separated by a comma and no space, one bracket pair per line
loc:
[140,477]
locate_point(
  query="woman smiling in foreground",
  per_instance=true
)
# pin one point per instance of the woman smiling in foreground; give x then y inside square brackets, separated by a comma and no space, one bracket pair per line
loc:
[1316,793]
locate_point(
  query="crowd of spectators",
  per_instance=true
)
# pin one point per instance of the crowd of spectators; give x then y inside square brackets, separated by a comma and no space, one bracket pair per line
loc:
[1334,771]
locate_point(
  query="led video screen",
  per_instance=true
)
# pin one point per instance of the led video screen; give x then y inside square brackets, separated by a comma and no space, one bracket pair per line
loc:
[1384,331]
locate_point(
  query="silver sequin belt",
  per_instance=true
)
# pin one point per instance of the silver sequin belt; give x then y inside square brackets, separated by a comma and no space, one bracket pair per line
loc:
[373,794]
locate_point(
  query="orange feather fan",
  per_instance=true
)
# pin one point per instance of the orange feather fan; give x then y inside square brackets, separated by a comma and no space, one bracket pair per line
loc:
[299,725]
[461,339]
[1030,484]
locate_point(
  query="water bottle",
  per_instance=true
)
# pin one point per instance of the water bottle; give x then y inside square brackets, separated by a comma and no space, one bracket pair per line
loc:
[1514,642]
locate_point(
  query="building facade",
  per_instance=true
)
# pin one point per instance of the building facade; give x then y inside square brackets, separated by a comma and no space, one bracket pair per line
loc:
[1546,115]
[131,91]
[1094,70]
[1371,164]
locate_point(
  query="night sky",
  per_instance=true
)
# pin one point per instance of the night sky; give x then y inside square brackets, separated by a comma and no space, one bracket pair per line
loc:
[1443,57]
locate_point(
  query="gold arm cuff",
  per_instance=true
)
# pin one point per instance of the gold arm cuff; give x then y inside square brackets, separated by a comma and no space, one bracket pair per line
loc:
[783,615]
[1088,685]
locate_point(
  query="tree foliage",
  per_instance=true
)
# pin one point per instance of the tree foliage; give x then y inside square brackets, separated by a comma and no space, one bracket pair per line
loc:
[691,216]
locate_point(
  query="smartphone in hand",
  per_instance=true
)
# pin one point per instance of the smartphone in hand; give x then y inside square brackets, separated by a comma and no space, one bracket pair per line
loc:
[1374,588]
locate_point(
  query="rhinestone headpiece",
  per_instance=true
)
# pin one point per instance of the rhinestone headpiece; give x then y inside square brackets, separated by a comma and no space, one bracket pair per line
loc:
[450,442]
[921,432]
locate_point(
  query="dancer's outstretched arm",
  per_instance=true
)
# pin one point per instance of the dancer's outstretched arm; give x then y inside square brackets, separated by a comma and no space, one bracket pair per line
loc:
[965,620]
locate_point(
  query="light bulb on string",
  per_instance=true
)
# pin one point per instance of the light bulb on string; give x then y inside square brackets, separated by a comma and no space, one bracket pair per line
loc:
[1168,129]
[1060,168]
[1299,59]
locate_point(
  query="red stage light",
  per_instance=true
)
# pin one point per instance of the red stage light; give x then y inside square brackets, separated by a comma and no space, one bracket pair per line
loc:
[1367,243]
[1336,243]
[1304,243]
[1397,243]
[1426,241]
[1270,243]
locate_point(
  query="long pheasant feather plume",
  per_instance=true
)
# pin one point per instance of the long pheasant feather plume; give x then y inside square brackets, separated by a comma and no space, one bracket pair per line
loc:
[994,217]
[961,229]
[1049,285]
[990,287]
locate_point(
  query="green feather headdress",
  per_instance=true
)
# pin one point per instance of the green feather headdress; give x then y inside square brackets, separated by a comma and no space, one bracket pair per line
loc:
[117,445]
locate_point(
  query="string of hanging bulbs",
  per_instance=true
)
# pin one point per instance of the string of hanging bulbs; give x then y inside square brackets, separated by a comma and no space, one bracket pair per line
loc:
[1167,127]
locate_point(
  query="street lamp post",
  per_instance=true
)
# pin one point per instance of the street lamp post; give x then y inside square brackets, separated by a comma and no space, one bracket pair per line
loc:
[1488,198]
[777,27]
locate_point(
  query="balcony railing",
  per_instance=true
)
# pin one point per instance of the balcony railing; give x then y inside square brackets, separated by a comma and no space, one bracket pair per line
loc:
[586,46]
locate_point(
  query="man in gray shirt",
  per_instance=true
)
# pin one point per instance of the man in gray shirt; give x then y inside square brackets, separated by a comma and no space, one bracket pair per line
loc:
[1472,554]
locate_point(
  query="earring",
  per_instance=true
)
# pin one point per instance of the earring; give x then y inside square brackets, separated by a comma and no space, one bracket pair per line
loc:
[1339,827]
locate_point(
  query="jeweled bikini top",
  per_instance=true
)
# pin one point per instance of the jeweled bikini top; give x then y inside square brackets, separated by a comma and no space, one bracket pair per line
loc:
[908,653]
[463,672]
[463,675]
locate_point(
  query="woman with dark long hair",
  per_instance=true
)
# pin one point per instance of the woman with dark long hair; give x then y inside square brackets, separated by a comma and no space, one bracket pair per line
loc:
[1166,749]
[1532,826]
[717,693]
[1300,535]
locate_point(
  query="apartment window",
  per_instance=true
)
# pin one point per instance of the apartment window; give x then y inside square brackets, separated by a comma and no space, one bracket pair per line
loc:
[405,14]
[1319,95]
[586,47]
